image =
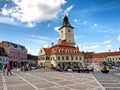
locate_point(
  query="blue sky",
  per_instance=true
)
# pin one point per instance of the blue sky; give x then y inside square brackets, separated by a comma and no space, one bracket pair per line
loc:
[34,23]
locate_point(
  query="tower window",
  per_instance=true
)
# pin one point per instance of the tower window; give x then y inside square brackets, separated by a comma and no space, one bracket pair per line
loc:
[68,30]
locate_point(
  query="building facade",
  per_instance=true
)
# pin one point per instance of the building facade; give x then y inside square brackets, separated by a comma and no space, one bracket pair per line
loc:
[32,60]
[64,53]
[102,57]
[4,59]
[113,57]
[17,53]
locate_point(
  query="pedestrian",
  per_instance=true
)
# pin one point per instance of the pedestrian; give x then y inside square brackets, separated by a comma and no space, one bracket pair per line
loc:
[4,66]
[9,70]
[23,68]
[3,69]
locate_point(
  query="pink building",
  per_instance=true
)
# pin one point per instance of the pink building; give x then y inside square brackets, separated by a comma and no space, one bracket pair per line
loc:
[17,53]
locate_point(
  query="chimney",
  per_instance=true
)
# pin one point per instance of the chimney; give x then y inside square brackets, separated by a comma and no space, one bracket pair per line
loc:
[52,44]
[77,48]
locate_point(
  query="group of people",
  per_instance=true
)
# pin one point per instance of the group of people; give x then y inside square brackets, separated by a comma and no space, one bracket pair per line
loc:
[6,68]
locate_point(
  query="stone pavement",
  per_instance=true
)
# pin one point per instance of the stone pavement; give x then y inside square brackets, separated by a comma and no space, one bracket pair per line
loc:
[109,81]
[49,80]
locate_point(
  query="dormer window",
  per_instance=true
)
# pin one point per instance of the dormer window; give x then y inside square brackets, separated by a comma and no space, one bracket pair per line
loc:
[41,51]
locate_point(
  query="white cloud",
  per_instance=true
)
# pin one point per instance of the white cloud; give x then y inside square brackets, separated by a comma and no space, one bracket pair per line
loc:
[94,46]
[40,41]
[90,47]
[56,29]
[34,11]
[39,37]
[79,36]
[118,38]
[7,20]
[30,25]
[84,23]
[43,40]
[75,20]
[95,25]
[108,46]
[49,25]
[33,51]
[108,41]
[68,9]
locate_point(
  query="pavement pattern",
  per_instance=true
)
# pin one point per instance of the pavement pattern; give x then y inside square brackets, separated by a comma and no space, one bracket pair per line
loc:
[52,80]
[109,81]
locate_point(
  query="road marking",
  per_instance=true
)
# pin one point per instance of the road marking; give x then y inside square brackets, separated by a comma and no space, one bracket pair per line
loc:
[36,88]
[98,82]
[4,83]
[49,81]
[66,74]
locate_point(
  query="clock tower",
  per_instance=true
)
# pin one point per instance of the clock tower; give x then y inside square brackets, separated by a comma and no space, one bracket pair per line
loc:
[66,32]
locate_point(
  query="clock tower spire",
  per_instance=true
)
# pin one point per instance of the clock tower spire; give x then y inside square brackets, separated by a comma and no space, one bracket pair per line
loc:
[66,32]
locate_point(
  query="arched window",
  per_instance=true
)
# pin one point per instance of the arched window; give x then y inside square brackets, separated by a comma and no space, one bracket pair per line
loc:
[47,58]
[67,58]
[62,58]
[58,58]
[80,58]
[76,58]
[71,58]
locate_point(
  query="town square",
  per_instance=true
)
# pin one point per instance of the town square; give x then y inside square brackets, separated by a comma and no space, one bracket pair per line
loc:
[59,44]
[47,79]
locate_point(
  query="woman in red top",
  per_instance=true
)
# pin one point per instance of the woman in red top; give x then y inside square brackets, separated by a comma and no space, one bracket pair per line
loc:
[9,70]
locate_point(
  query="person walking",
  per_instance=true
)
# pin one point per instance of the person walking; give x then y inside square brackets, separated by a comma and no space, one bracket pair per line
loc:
[9,70]
[4,66]
[3,69]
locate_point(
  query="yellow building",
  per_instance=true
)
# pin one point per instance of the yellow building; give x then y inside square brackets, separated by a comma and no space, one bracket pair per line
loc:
[64,53]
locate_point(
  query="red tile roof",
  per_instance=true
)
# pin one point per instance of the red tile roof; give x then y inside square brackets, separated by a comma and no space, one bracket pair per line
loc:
[100,55]
[62,48]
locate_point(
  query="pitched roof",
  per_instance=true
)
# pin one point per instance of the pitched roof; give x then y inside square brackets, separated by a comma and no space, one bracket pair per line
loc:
[65,23]
[101,55]
[63,48]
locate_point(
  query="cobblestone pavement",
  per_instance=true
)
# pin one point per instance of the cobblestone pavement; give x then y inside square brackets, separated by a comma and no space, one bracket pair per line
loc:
[109,81]
[49,80]
[52,80]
